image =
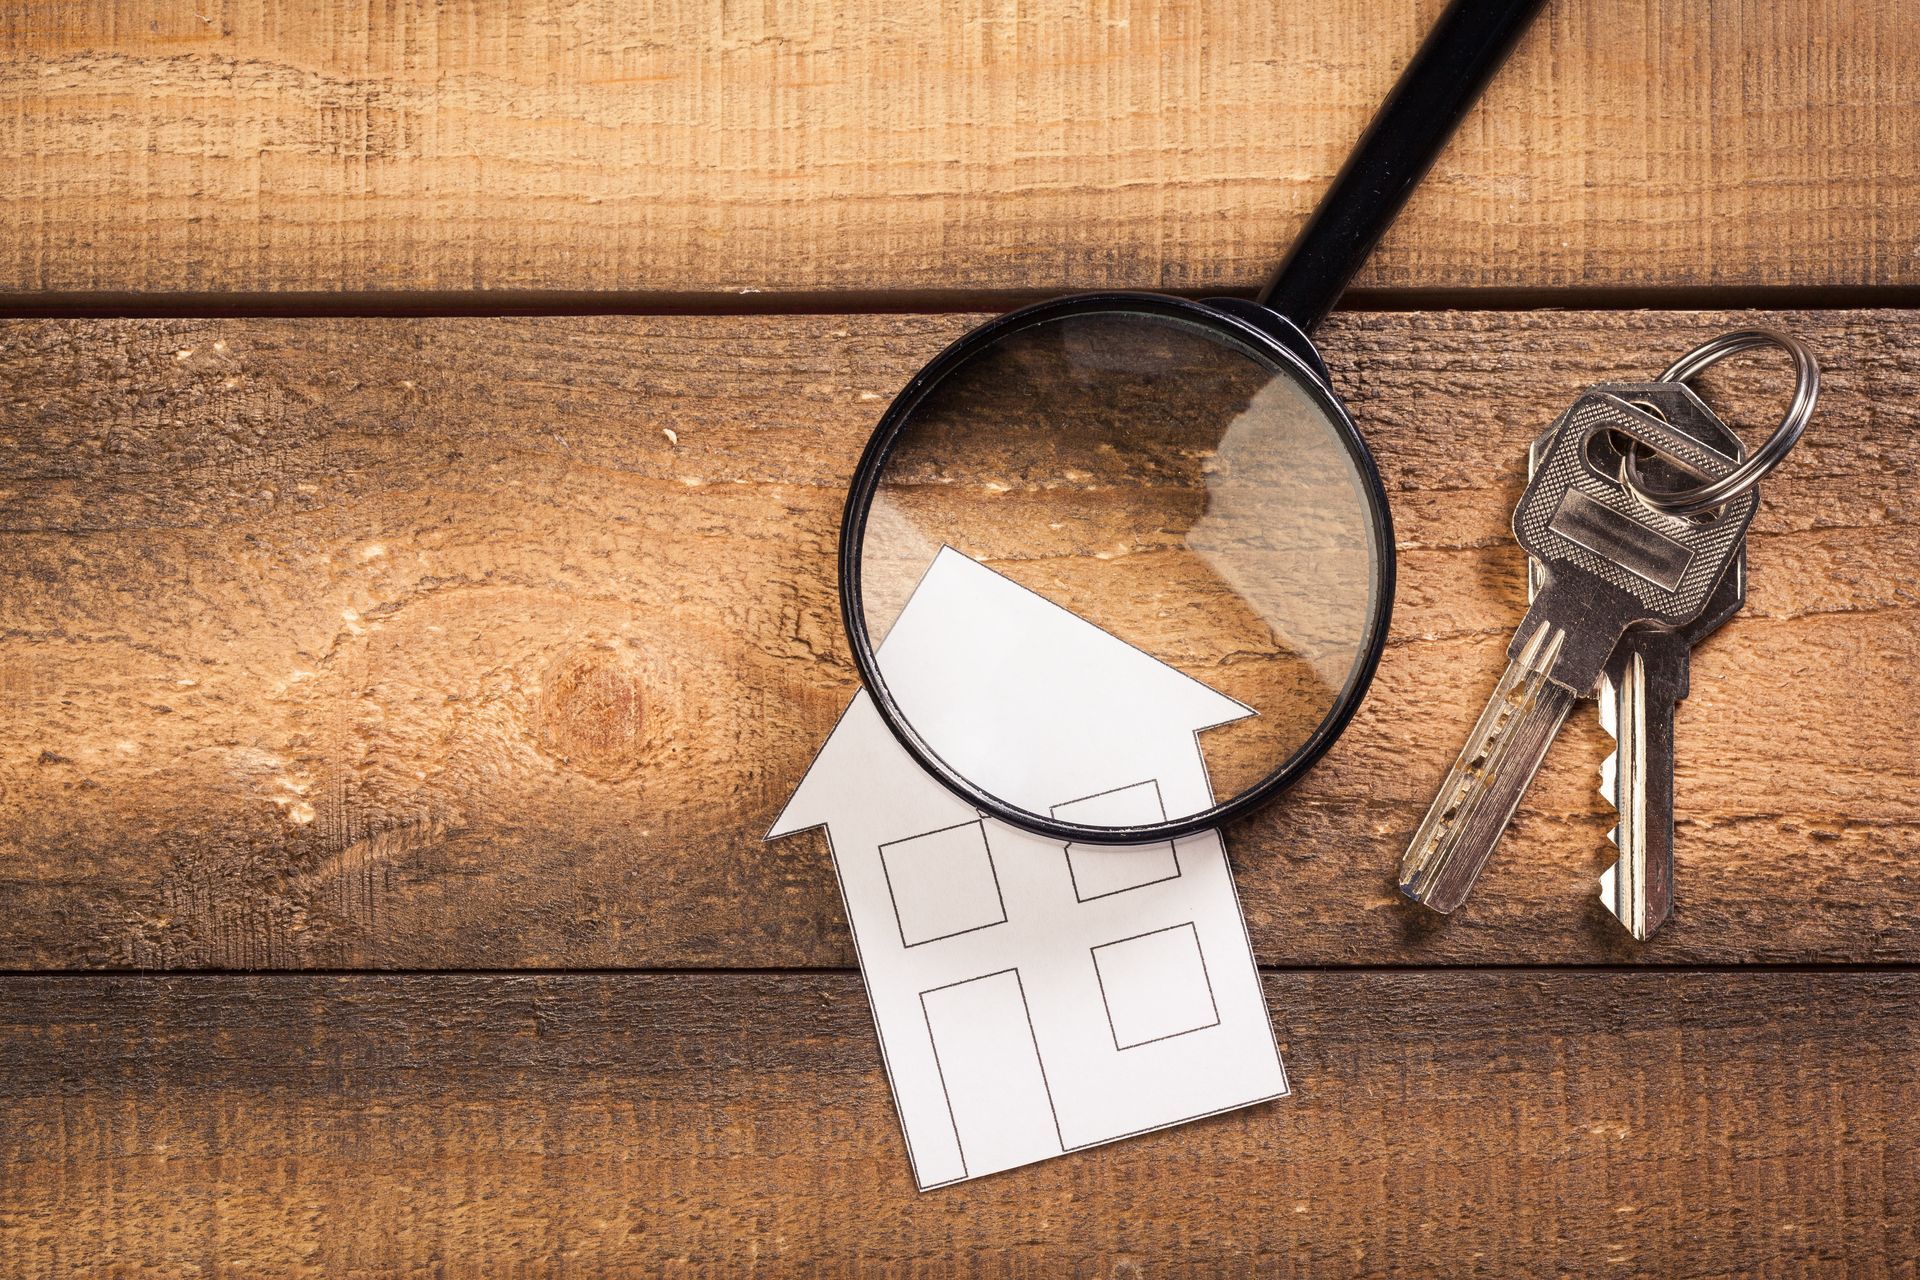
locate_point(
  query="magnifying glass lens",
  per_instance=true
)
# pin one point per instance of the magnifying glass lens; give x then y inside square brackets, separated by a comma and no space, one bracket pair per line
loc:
[1121,567]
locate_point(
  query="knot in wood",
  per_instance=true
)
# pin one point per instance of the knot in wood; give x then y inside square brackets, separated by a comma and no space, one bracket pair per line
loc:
[592,712]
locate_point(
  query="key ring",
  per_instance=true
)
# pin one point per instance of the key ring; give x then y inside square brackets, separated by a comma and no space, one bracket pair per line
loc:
[1688,502]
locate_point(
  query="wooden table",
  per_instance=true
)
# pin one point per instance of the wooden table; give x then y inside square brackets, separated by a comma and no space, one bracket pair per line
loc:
[422,433]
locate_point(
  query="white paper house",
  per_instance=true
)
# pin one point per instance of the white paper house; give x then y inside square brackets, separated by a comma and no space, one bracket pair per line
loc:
[1034,998]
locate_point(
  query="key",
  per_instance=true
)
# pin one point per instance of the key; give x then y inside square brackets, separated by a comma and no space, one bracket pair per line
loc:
[1608,562]
[1645,678]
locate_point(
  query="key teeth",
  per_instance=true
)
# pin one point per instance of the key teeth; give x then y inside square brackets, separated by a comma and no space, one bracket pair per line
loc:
[1610,899]
[1610,779]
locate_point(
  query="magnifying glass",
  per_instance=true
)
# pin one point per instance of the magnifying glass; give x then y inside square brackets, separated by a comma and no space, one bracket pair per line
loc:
[1175,472]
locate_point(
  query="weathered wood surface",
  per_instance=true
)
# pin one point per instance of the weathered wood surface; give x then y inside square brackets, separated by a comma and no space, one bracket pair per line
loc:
[1651,1124]
[498,643]
[692,145]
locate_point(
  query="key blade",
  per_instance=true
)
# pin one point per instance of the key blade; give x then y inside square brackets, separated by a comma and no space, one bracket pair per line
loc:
[1638,695]
[1488,778]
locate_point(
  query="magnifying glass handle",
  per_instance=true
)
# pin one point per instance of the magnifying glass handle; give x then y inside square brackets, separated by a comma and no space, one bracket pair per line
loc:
[1454,63]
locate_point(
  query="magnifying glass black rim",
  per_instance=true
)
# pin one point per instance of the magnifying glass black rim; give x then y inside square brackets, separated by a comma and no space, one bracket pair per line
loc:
[866,483]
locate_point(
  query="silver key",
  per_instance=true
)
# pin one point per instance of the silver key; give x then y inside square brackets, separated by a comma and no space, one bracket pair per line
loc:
[1608,562]
[1645,678]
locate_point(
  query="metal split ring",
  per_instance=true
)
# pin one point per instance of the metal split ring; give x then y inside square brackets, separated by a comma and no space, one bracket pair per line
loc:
[1706,497]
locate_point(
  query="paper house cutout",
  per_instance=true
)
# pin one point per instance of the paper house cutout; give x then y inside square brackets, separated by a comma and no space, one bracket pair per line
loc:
[985,949]
[1032,703]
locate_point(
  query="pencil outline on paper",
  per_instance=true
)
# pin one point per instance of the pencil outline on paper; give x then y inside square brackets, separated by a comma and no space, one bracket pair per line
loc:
[1173,853]
[1033,1038]
[986,849]
[1213,1001]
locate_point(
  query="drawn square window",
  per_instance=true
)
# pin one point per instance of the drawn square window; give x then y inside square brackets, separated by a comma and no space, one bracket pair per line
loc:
[1155,986]
[943,883]
[1101,870]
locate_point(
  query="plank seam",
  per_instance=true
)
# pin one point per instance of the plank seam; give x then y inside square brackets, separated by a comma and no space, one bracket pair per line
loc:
[1769,968]
[102,305]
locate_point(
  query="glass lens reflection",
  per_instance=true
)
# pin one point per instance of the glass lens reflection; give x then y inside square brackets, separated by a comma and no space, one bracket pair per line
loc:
[1161,481]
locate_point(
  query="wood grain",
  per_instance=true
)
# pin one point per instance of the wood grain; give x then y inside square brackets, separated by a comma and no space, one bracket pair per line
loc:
[1444,1124]
[691,145]
[449,644]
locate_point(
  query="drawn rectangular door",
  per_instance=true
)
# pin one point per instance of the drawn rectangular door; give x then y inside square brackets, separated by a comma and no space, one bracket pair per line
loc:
[990,1068]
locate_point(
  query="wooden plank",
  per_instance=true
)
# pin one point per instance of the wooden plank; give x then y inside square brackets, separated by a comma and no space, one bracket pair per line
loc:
[249,145]
[1444,1124]
[498,643]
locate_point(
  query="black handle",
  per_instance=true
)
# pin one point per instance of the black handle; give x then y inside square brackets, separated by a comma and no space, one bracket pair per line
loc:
[1454,63]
